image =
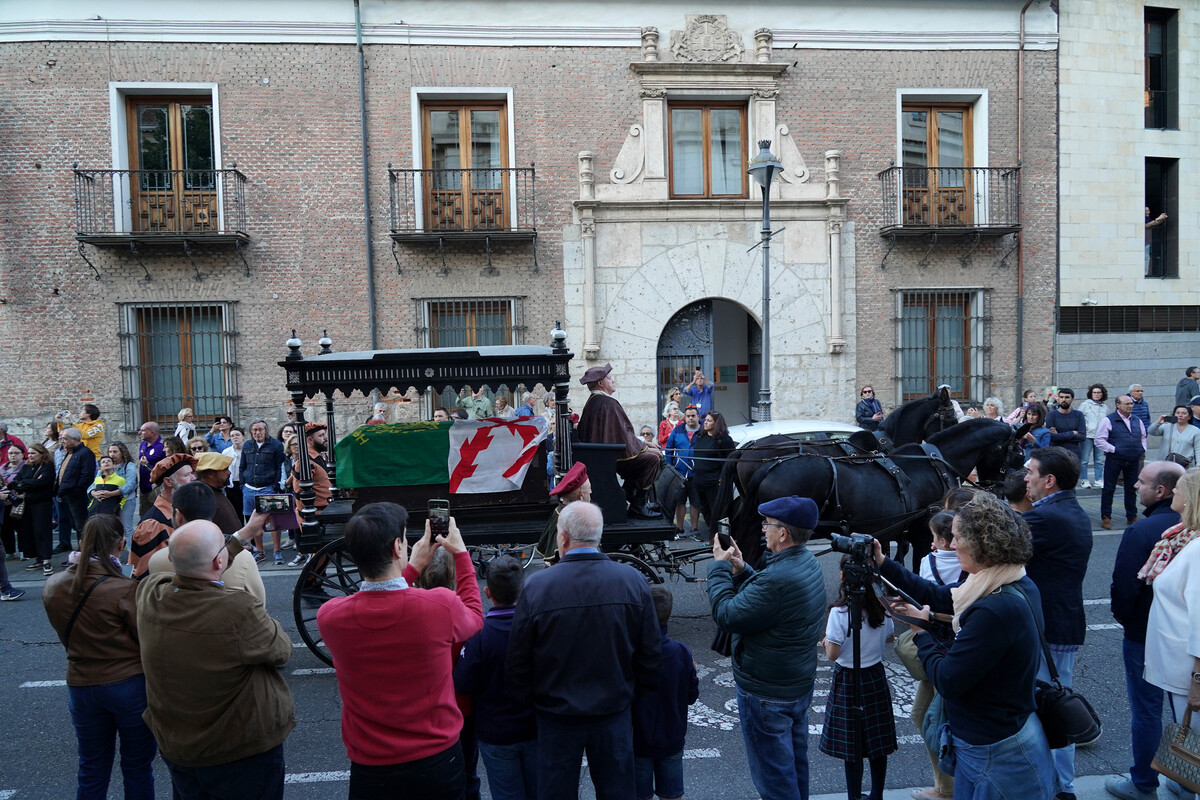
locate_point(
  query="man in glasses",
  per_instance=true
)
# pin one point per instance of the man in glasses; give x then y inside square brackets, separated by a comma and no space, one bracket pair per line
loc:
[868,414]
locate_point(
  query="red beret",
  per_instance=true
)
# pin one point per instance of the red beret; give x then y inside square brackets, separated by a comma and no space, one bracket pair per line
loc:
[576,476]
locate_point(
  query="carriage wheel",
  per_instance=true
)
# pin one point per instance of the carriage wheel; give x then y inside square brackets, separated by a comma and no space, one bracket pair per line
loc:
[481,555]
[649,572]
[331,572]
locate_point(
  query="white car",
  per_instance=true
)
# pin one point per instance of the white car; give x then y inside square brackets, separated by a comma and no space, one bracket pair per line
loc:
[801,430]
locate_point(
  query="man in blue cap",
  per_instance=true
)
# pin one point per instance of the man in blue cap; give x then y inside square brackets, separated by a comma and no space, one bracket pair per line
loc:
[776,616]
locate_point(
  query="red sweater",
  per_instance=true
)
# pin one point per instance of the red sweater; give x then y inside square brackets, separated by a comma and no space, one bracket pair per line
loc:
[392,651]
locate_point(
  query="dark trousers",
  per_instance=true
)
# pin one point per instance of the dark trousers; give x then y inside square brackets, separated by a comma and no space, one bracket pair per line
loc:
[35,534]
[1113,468]
[608,741]
[72,513]
[260,777]
[438,777]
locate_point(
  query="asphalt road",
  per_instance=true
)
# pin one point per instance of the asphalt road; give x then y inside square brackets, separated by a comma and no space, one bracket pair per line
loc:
[39,745]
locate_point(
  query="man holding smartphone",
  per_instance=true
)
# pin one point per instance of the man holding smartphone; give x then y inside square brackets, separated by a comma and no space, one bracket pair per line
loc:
[262,464]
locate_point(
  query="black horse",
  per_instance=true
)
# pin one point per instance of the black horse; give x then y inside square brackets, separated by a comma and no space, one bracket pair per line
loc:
[862,495]
[917,420]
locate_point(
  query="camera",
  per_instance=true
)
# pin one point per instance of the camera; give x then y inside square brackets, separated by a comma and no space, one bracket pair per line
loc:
[856,545]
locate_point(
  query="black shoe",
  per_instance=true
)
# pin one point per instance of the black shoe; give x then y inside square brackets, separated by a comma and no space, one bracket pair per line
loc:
[62,548]
[314,598]
[643,511]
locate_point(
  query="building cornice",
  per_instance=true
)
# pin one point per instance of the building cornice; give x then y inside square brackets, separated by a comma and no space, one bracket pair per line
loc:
[484,35]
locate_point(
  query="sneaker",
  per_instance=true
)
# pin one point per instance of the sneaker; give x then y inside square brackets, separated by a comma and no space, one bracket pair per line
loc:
[290,544]
[1124,789]
[32,565]
[260,556]
[279,559]
[299,559]
[47,568]
[62,548]
[12,594]
[1085,484]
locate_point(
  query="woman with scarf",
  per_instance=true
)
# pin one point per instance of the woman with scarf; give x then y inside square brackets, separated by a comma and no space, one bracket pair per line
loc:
[92,608]
[1173,630]
[986,673]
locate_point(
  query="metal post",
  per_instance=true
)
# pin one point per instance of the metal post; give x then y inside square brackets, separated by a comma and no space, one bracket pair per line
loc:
[306,497]
[764,392]
[563,459]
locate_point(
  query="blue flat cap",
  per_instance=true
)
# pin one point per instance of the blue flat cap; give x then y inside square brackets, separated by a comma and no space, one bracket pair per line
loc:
[798,511]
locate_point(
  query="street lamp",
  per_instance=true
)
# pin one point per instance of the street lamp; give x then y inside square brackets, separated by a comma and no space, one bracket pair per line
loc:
[764,167]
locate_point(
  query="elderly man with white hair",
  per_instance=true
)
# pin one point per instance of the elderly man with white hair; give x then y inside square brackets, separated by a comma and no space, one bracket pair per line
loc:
[216,701]
[585,636]
[1141,409]
[75,478]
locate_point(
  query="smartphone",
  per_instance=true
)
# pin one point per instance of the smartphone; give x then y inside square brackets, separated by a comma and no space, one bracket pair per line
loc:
[281,507]
[723,535]
[898,592]
[439,517]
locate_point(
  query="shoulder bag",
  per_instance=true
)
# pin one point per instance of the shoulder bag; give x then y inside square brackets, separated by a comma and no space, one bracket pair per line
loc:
[1177,458]
[1178,755]
[1066,715]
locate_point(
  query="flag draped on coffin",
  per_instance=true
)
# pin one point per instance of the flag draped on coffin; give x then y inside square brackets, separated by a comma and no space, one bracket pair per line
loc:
[470,456]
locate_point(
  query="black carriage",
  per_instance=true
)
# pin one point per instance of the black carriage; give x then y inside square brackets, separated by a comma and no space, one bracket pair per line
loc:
[490,523]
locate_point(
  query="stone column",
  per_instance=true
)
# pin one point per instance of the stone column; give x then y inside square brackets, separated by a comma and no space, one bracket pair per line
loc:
[833,228]
[649,44]
[762,45]
[587,231]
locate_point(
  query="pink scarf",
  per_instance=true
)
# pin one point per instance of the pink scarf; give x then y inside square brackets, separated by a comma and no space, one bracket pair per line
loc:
[1173,540]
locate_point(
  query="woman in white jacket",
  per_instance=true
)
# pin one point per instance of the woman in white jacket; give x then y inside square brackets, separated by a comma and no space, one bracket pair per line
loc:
[1094,409]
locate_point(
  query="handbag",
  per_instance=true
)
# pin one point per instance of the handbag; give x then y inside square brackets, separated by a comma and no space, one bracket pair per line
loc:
[906,650]
[16,501]
[1178,755]
[1066,715]
[1176,458]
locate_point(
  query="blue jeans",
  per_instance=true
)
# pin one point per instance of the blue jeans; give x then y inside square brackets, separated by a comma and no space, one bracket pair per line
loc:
[1115,469]
[99,713]
[661,776]
[1145,708]
[1019,766]
[248,496]
[1092,454]
[259,776]
[511,769]
[775,733]
[1064,757]
[608,741]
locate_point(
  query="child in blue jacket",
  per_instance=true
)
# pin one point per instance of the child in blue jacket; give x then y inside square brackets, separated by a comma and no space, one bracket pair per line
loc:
[660,719]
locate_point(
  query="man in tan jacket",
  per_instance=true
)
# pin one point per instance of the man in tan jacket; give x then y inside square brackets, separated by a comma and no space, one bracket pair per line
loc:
[216,700]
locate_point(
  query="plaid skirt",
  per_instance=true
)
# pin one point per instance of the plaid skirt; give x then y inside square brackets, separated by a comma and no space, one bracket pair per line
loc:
[878,734]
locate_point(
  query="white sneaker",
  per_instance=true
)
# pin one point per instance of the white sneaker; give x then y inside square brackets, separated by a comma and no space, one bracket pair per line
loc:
[1085,485]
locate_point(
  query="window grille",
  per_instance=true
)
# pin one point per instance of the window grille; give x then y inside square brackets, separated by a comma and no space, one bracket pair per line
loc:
[1129,319]
[942,338]
[470,322]
[174,357]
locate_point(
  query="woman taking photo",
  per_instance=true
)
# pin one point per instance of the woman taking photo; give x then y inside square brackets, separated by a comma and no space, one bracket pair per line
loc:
[127,468]
[986,674]
[710,448]
[35,482]
[91,606]
[1181,440]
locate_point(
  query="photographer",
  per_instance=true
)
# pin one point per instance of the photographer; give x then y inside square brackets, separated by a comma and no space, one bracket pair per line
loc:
[986,674]
[775,616]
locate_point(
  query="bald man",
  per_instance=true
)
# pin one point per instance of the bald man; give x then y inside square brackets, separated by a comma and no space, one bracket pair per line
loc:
[216,701]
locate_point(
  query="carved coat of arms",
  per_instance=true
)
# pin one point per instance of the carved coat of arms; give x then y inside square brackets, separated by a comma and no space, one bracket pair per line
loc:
[706,39]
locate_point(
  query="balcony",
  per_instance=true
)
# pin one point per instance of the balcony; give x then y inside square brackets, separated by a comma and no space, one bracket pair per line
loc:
[125,207]
[437,205]
[950,200]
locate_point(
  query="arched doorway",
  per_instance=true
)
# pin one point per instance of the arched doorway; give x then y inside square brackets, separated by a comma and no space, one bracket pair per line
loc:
[722,339]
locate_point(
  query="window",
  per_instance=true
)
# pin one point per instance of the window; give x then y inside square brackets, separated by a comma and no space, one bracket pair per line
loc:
[708,149]
[466,159]
[1162,68]
[175,357]
[1129,319]
[1162,237]
[171,153]
[942,341]
[936,153]
[470,323]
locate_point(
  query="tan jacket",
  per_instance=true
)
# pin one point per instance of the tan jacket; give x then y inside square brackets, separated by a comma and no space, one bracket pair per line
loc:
[214,692]
[103,647]
[242,572]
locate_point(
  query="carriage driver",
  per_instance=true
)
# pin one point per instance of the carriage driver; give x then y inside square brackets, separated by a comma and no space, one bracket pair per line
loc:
[603,421]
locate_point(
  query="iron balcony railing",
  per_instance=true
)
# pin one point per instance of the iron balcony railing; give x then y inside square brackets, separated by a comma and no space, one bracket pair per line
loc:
[932,199]
[462,201]
[175,202]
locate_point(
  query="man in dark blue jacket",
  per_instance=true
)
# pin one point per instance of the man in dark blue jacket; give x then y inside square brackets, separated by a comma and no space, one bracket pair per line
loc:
[1062,543]
[776,616]
[1122,437]
[505,728]
[75,477]
[584,639]
[262,465]
[1068,428]
[1131,599]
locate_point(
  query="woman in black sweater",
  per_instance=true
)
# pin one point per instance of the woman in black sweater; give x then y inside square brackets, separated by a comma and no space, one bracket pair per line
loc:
[711,446]
[36,482]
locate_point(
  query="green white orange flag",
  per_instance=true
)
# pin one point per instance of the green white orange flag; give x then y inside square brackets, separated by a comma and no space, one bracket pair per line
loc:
[469,456]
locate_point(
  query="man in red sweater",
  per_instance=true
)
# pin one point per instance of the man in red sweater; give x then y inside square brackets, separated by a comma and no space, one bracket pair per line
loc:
[392,647]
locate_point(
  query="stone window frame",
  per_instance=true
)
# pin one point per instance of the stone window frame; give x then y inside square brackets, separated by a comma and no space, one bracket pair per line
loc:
[119,93]
[419,95]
